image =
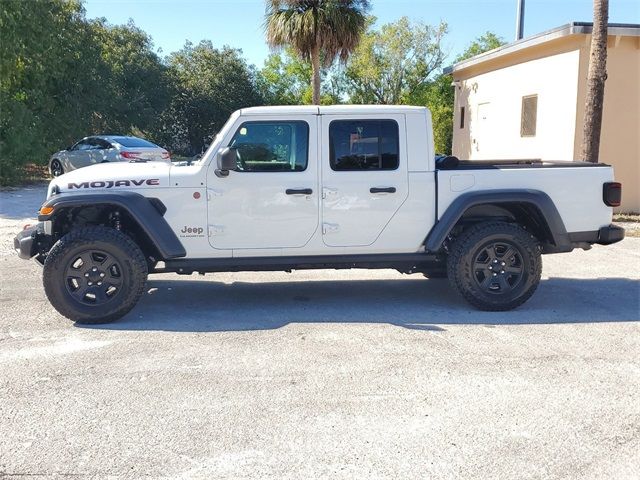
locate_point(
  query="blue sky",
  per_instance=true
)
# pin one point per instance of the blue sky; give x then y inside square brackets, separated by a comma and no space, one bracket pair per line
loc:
[238,23]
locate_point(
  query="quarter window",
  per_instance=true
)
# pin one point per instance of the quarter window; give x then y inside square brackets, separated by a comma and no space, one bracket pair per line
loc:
[363,145]
[272,146]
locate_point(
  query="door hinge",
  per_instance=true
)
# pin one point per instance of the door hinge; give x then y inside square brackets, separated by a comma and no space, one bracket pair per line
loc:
[330,228]
[213,193]
[329,192]
[216,230]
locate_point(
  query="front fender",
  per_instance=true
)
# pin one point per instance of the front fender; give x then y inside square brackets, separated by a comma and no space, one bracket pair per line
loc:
[146,212]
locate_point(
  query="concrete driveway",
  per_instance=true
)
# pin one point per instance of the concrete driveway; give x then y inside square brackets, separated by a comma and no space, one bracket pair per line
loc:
[351,374]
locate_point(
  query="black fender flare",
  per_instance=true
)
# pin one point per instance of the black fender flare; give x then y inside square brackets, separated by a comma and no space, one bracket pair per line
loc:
[536,198]
[146,212]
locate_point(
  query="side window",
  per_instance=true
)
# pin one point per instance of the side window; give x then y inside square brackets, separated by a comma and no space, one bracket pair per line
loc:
[272,146]
[363,145]
[95,144]
[103,144]
[83,145]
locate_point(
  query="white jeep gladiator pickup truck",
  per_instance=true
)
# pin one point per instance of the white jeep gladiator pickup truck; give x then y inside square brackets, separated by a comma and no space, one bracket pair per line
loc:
[284,188]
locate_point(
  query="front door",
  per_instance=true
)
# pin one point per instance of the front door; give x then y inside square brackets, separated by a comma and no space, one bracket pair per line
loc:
[364,176]
[271,200]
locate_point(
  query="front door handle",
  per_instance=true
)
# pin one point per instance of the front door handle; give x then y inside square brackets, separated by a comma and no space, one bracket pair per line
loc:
[298,191]
[382,189]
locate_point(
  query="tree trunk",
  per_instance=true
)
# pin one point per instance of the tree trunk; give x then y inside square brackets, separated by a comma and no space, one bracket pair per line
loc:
[595,82]
[315,80]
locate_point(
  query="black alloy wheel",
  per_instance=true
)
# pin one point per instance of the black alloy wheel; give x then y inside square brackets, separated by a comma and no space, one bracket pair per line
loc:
[498,267]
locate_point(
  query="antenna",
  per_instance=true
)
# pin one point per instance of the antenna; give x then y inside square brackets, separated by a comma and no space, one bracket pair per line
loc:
[520,20]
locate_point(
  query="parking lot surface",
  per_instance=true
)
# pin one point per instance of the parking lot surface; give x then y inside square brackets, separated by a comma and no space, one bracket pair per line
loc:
[324,374]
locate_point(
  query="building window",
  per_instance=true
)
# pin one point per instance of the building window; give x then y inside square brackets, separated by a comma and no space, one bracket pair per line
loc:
[461,117]
[529,116]
[363,145]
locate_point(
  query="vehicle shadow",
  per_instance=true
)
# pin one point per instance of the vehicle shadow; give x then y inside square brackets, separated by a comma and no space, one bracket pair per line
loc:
[420,304]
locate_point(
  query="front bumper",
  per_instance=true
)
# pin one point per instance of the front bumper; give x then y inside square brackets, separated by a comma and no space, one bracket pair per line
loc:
[26,241]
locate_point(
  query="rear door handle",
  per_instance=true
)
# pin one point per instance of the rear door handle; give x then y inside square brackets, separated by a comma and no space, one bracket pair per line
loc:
[298,191]
[382,189]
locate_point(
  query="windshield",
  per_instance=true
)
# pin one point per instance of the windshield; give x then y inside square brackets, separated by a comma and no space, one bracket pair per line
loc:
[218,138]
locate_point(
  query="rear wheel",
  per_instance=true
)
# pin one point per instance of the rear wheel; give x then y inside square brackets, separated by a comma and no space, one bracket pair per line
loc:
[94,275]
[495,266]
[56,168]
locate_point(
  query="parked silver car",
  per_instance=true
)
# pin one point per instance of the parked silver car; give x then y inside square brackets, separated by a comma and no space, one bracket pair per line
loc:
[105,148]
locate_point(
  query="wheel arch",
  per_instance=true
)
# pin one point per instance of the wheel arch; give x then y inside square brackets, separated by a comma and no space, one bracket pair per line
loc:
[142,215]
[532,209]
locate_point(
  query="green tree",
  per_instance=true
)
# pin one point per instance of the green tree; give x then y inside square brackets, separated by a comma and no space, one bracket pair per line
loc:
[135,89]
[44,94]
[63,77]
[317,30]
[285,79]
[438,94]
[391,64]
[484,43]
[207,84]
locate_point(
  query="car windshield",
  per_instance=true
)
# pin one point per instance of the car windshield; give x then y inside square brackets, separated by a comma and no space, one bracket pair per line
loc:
[133,142]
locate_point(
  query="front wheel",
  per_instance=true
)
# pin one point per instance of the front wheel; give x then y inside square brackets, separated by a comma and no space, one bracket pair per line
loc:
[94,275]
[495,266]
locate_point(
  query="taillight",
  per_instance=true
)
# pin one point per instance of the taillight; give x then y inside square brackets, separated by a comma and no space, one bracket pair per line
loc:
[165,155]
[612,194]
[130,155]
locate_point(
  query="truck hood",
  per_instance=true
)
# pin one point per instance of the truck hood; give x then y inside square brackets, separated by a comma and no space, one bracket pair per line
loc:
[112,177]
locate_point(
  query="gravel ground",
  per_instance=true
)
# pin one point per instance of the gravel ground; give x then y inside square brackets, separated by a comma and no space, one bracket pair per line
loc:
[351,374]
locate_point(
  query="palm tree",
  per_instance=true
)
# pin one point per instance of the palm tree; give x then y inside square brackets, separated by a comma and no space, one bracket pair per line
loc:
[595,82]
[317,30]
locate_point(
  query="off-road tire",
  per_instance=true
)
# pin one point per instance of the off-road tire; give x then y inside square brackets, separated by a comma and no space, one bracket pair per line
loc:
[482,287]
[126,256]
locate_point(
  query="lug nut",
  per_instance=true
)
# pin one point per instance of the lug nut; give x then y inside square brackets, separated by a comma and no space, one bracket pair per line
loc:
[501,271]
[102,275]
[495,274]
[94,269]
[91,283]
[86,274]
[503,264]
[495,261]
[99,283]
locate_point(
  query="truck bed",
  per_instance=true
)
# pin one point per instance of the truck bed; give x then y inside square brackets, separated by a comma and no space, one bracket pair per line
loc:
[450,163]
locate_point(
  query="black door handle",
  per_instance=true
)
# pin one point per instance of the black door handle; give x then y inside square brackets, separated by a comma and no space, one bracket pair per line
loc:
[382,189]
[298,191]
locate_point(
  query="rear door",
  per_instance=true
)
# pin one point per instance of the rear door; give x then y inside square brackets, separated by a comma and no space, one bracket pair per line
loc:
[364,176]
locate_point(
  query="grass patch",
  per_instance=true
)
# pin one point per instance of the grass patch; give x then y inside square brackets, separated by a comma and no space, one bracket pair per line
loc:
[626,217]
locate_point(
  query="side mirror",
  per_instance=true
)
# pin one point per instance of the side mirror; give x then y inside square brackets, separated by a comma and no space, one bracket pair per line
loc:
[227,160]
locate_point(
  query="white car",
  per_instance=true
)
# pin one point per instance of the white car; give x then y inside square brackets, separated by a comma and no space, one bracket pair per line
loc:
[305,187]
[102,149]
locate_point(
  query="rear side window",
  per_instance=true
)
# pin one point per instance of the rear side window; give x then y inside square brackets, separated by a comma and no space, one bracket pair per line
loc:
[99,144]
[363,145]
[272,146]
[133,142]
